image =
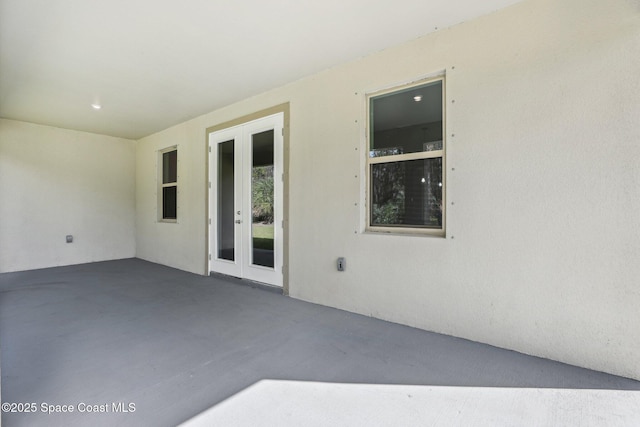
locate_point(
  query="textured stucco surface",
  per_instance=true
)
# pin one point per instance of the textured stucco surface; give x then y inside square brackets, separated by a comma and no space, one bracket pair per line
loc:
[543,213]
[58,182]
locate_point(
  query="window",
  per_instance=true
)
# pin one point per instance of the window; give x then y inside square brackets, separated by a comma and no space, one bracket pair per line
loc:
[168,183]
[406,158]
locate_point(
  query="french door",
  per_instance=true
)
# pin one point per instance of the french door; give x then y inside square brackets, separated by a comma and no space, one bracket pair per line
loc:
[246,200]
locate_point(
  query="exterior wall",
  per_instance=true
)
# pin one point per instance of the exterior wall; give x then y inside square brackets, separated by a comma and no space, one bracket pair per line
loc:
[180,244]
[55,182]
[543,219]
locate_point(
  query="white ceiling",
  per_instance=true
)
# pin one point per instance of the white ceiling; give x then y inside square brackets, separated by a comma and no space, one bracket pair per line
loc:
[155,63]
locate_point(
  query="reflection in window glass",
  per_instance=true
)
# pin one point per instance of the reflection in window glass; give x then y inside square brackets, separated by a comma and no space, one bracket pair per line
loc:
[407,121]
[226,201]
[169,199]
[405,158]
[262,199]
[168,184]
[407,193]
[170,167]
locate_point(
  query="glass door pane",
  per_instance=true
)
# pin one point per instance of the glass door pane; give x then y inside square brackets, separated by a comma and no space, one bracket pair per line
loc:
[226,201]
[262,199]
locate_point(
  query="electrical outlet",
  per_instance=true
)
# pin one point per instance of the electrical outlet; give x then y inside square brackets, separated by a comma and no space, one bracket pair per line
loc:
[69,238]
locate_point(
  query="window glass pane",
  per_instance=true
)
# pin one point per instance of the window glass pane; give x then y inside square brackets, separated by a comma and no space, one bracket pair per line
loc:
[407,121]
[226,201]
[407,193]
[170,166]
[262,194]
[169,202]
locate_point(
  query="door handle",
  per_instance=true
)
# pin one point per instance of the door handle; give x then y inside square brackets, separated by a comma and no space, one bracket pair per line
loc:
[238,221]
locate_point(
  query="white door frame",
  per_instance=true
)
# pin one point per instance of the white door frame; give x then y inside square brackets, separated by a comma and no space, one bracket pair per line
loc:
[242,265]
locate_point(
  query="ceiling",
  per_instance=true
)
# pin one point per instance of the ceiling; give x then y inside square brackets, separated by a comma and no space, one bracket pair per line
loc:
[152,64]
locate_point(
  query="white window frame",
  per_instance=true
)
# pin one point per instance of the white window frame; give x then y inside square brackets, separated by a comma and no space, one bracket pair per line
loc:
[162,185]
[370,161]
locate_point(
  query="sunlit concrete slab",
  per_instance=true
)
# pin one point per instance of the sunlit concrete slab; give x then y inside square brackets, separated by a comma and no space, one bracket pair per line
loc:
[297,403]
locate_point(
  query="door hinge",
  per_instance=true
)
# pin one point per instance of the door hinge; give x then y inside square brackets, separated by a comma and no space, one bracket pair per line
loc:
[282,130]
[209,148]
[209,221]
[209,257]
[209,184]
[282,223]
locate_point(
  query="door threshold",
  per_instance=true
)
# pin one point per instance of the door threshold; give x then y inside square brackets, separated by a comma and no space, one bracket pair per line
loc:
[246,282]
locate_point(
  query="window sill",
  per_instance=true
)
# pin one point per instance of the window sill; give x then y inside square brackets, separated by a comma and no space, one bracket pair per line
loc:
[168,221]
[397,231]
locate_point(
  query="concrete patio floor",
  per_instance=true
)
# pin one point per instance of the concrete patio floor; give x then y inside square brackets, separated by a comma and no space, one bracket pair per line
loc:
[147,345]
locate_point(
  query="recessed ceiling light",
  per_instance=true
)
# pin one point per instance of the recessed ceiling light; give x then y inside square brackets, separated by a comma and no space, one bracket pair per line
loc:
[96,106]
[417,98]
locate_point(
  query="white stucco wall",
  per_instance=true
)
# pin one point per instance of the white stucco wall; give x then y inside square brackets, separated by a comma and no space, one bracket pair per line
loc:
[55,182]
[180,244]
[543,237]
